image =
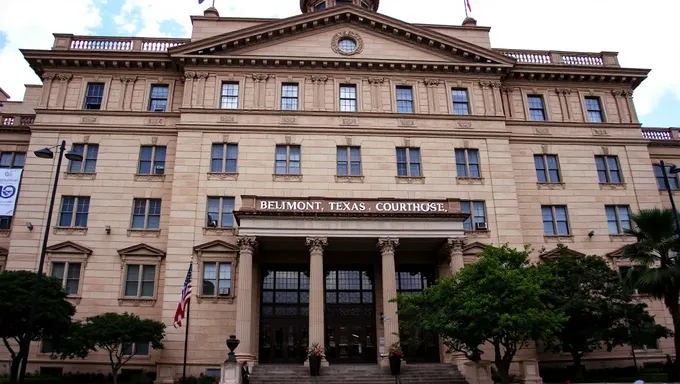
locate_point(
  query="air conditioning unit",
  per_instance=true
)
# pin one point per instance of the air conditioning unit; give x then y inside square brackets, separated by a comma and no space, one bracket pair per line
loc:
[481,226]
[212,223]
[159,170]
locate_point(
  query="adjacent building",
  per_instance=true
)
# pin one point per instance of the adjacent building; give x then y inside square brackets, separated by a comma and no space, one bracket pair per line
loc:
[310,168]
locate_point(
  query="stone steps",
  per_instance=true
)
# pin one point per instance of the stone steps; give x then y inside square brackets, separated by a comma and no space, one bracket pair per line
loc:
[356,374]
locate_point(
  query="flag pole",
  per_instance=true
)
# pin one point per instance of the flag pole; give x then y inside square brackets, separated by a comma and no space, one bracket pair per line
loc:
[213,4]
[186,343]
[464,6]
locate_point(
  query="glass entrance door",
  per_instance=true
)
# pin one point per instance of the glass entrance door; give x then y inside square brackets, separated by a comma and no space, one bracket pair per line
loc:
[350,316]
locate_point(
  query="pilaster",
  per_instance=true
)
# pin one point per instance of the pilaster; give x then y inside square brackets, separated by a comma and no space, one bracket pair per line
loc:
[387,248]
[244,297]
[316,286]
[189,77]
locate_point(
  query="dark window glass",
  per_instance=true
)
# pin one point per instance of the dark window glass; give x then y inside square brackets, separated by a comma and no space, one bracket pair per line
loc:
[289,97]
[12,159]
[547,168]
[216,279]
[477,211]
[461,106]
[220,212]
[404,99]
[94,95]
[672,179]
[555,220]
[536,108]
[220,163]
[594,109]
[348,98]
[74,208]
[146,213]
[618,218]
[229,95]
[408,162]
[467,163]
[159,98]
[349,161]
[287,160]
[608,169]
[152,160]
[321,5]
[89,162]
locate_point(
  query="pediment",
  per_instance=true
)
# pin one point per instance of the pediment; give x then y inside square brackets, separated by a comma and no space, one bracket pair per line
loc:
[68,247]
[310,36]
[141,250]
[473,248]
[216,246]
[560,251]
[617,254]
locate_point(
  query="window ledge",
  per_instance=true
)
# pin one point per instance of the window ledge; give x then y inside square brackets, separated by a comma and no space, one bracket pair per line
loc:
[139,177]
[621,237]
[219,231]
[410,179]
[216,299]
[5,232]
[469,180]
[551,186]
[558,238]
[133,232]
[136,301]
[80,175]
[74,299]
[286,177]
[349,179]
[478,234]
[664,192]
[70,231]
[612,185]
[231,176]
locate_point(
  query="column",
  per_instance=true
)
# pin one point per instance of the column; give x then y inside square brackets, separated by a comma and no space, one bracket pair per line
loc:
[244,298]
[389,286]
[316,285]
[455,247]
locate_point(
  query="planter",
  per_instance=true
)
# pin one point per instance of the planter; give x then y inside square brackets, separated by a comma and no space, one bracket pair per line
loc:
[395,365]
[314,365]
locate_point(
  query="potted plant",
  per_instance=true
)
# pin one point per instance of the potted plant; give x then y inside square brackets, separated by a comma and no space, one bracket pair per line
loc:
[314,354]
[395,356]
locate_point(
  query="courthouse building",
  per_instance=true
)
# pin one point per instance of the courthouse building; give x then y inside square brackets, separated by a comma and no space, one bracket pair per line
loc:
[311,168]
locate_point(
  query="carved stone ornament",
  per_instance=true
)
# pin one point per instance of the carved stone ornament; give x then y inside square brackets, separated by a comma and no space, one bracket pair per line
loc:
[155,121]
[247,243]
[5,232]
[432,82]
[455,244]
[319,78]
[47,77]
[289,120]
[349,121]
[88,119]
[70,231]
[542,130]
[350,35]
[387,245]
[223,176]
[410,179]
[485,84]
[136,302]
[349,179]
[600,132]
[551,186]
[211,231]
[507,89]
[157,178]
[286,177]
[80,175]
[496,84]
[316,244]
[143,232]
[376,80]
[470,180]
[189,75]
[563,91]
[407,123]
[228,119]
[464,124]
[154,140]
[128,79]
[202,75]
[260,77]
[64,77]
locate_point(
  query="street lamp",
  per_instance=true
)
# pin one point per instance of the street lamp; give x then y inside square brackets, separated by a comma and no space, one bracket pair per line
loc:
[45,153]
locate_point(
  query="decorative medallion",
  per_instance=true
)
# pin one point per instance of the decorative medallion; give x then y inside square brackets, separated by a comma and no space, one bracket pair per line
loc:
[347,43]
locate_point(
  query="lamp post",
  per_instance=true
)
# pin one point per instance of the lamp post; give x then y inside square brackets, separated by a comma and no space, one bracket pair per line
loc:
[45,153]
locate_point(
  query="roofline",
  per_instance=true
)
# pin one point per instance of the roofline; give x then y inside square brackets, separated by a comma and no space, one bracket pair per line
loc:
[211,18]
[463,27]
[5,93]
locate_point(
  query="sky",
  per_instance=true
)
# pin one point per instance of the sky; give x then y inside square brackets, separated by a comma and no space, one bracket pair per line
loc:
[643,32]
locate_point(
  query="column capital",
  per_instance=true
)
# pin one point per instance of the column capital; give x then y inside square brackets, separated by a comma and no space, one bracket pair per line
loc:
[316,244]
[247,243]
[387,244]
[455,244]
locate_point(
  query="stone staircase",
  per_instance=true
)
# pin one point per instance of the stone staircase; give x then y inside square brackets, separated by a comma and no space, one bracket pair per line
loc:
[356,374]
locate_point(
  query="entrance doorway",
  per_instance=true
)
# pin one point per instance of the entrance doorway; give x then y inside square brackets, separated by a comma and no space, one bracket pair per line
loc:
[350,316]
[284,314]
[418,346]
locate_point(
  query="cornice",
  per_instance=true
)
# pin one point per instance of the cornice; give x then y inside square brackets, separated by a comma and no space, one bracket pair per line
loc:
[575,74]
[107,128]
[570,124]
[107,113]
[594,140]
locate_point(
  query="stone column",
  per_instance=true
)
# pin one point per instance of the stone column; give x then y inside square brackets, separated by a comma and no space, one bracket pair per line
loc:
[455,247]
[389,286]
[188,89]
[64,78]
[316,284]
[47,88]
[244,298]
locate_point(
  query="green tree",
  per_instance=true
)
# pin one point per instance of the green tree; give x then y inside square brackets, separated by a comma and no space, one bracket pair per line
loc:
[115,333]
[657,273]
[600,309]
[501,299]
[53,317]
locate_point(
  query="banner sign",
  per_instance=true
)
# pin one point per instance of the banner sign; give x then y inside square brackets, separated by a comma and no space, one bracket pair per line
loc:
[9,189]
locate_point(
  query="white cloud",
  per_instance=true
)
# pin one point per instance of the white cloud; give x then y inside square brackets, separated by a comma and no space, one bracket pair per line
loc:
[641,32]
[29,25]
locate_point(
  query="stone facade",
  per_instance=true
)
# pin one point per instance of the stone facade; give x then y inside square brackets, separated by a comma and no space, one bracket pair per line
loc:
[318,53]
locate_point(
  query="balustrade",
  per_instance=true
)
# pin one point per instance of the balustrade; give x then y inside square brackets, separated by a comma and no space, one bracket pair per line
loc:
[658,134]
[562,58]
[14,119]
[115,44]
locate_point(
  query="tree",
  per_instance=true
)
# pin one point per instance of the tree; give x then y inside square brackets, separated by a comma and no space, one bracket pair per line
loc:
[116,333]
[53,317]
[600,309]
[657,273]
[501,299]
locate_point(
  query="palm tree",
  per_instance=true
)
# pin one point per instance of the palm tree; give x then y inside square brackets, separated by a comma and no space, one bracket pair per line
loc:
[657,273]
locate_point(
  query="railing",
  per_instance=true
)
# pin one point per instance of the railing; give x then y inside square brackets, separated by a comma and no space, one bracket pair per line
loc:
[602,59]
[660,133]
[17,120]
[114,44]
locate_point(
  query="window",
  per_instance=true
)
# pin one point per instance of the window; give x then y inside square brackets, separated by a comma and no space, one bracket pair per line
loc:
[477,211]
[89,162]
[644,339]
[146,214]
[404,99]
[220,212]
[461,106]
[287,160]
[5,222]
[74,211]
[229,95]
[140,280]
[467,163]
[349,161]
[46,346]
[364,5]
[348,98]
[289,97]
[618,218]
[672,179]
[555,221]
[536,107]
[213,372]
[158,101]
[68,274]
[342,2]
[94,95]
[608,169]
[152,160]
[12,159]
[412,282]
[594,109]
[408,162]
[216,279]
[321,5]
[135,349]
[547,169]
[219,162]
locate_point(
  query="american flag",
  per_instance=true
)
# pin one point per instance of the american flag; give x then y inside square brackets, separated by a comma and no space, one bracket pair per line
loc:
[180,314]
